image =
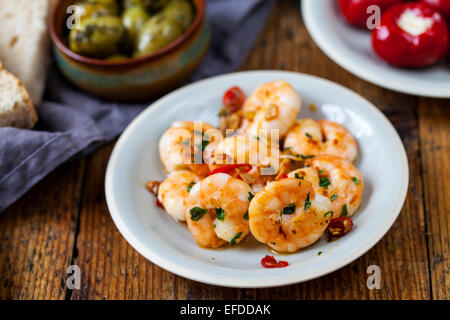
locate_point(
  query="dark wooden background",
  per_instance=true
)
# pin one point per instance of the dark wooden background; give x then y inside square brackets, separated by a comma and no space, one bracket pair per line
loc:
[64,219]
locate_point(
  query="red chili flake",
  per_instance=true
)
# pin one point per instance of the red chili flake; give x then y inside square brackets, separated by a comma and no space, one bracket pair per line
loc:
[230,167]
[159,204]
[233,99]
[283,176]
[270,262]
[153,187]
[339,227]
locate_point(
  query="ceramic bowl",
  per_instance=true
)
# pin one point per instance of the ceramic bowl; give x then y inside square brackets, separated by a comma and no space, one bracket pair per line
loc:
[134,79]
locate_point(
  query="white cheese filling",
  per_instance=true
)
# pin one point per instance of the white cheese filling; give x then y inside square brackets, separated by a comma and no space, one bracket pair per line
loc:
[414,24]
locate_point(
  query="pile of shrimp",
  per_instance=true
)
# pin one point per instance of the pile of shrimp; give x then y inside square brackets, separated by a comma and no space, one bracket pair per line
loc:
[283,180]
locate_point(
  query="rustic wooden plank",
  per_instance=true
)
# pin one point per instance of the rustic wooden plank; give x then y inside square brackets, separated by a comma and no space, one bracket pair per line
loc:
[38,235]
[434,124]
[112,269]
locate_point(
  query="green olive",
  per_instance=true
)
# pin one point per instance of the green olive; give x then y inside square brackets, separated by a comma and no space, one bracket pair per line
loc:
[152,5]
[156,33]
[97,37]
[117,57]
[181,12]
[133,19]
[88,10]
[110,4]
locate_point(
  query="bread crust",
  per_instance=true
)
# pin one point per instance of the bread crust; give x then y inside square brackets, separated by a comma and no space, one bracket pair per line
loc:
[16,107]
[24,42]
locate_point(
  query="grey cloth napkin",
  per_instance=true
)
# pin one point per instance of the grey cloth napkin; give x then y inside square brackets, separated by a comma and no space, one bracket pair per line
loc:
[73,123]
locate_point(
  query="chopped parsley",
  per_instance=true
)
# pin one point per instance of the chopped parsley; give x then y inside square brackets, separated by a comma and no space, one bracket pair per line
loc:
[237,236]
[203,145]
[324,182]
[290,209]
[197,213]
[220,214]
[298,177]
[344,210]
[223,113]
[355,180]
[245,216]
[308,135]
[319,253]
[189,187]
[205,140]
[304,157]
[327,213]
[250,196]
[321,170]
[307,202]
[334,197]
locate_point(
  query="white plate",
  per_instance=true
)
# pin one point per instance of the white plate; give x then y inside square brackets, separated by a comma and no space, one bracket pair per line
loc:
[351,49]
[382,162]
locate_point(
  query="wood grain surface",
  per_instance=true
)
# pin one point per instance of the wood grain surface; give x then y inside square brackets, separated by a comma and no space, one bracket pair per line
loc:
[64,219]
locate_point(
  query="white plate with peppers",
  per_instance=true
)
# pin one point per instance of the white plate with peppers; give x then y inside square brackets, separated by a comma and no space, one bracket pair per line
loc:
[396,44]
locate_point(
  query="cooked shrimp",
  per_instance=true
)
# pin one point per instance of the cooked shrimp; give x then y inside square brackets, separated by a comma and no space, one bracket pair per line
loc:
[181,142]
[274,105]
[337,179]
[310,137]
[173,191]
[288,215]
[217,211]
[307,174]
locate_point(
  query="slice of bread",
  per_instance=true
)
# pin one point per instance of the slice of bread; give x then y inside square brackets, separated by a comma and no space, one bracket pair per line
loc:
[16,108]
[24,42]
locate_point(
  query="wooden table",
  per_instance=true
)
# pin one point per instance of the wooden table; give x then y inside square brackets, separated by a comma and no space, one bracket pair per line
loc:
[64,219]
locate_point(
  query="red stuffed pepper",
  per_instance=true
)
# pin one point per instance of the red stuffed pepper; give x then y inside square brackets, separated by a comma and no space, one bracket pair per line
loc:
[411,35]
[355,11]
[443,6]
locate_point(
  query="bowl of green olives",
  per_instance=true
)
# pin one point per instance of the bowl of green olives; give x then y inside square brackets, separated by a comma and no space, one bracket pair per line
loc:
[128,50]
